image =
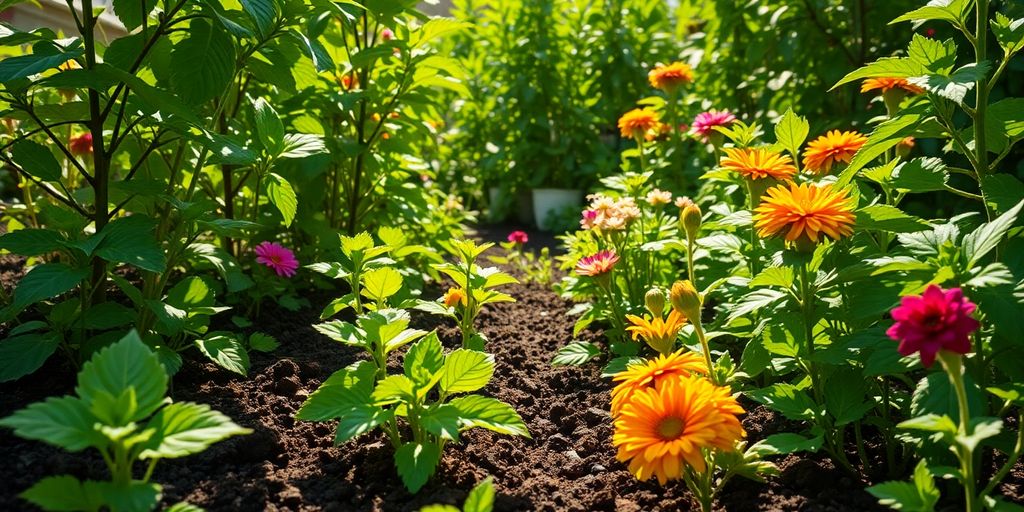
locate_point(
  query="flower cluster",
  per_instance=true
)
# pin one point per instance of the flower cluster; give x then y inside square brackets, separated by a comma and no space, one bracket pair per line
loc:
[607,214]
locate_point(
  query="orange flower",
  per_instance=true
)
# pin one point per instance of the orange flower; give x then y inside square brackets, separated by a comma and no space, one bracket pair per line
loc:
[756,164]
[649,373]
[662,430]
[887,84]
[669,77]
[807,211]
[637,122]
[659,333]
[454,297]
[905,146]
[830,148]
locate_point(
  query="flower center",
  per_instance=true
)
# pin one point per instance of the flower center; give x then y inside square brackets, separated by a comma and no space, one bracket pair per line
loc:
[275,259]
[932,319]
[670,428]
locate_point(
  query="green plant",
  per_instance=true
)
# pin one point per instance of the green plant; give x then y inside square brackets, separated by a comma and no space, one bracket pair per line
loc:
[364,397]
[120,410]
[480,499]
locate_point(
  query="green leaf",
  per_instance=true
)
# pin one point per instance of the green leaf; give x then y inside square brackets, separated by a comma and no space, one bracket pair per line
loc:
[64,493]
[131,240]
[394,389]
[128,365]
[22,355]
[846,400]
[956,86]
[359,420]
[984,239]
[225,350]
[35,159]
[885,136]
[416,463]
[792,402]
[442,420]
[933,55]
[343,391]
[282,196]
[191,292]
[343,332]
[1002,191]
[262,342]
[980,429]
[576,354]
[481,498]
[185,428]
[754,301]
[491,414]
[46,282]
[424,361]
[954,11]
[315,51]
[921,175]
[885,67]
[301,145]
[381,283]
[1009,33]
[883,217]
[919,495]
[263,13]
[32,242]
[791,131]
[780,444]
[203,64]
[466,370]
[61,421]
[935,395]
[435,28]
[782,277]
[269,127]
[132,12]
[45,55]
[135,496]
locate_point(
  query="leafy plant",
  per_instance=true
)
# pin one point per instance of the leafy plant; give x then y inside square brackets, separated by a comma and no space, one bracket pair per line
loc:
[119,409]
[480,499]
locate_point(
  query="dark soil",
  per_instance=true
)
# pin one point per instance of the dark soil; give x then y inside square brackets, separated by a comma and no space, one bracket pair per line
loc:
[287,465]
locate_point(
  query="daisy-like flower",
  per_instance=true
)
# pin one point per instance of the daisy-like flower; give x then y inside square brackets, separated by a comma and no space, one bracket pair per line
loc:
[81,145]
[637,122]
[597,264]
[670,77]
[760,163]
[659,197]
[662,430]
[518,237]
[454,297]
[649,373]
[886,84]
[934,321]
[277,258]
[705,122]
[834,146]
[657,332]
[805,212]
[607,214]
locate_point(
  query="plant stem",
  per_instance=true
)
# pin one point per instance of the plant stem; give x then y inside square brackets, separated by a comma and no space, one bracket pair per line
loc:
[1011,461]
[981,87]
[699,330]
[755,266]
[953,364]
[690,242]
[807,307]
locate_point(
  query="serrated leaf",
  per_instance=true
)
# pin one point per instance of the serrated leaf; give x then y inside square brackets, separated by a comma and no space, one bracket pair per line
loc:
[126,365]
[424,360]
[359,420]
[262,342]
[921,175]
[884,137]
[466,370]
[791,131]
[61,421]
[381,283]
[416,463]
[203,64]
[344,390]
[883,217]
[984,239]
[186,428]
[225,350]
[919,495]
[64,493]
[576,353]
[491,414]
[282,196]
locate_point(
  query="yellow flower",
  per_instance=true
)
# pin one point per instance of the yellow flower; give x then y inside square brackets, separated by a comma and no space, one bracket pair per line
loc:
[454,296]
[663,429]
[830,148]
[649,373]
[756,164]
[637,122]
[887,84]
[659,333]
[669,77]
[807,211]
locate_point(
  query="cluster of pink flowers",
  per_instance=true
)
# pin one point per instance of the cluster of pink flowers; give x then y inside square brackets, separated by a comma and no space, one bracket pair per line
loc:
[277,258]
[705,122]
[607,214]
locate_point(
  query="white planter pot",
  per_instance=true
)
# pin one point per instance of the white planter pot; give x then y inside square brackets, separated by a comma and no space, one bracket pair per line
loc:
[547,200]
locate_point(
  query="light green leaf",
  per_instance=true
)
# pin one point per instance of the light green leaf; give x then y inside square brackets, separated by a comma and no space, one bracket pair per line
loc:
[921,175]
[888,218]
[126,365]
[885,136]
[224,349]
[269,127]
[416,463]
[576,354]
[185,428]
[343,391]
[381,283]
[1009,33]
[61,421]
[780,444]
[919,495]
[359,420]
[956,86]
[954,11]
[282,196]
[481,498]
[262,342]
[424,361]
[65,493]
[791,131]
[393,389]
[491,414]
[466,370]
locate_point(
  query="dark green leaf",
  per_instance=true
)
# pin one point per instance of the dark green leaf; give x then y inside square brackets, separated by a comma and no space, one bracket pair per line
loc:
[416,463]
[36,159]
[32,242]
[61,421]
[46,282]
[203,64]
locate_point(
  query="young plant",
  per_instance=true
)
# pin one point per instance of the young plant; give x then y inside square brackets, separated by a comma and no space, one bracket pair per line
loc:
[429,396]
[534,267]
[480,499]
[474,289]
[119,409]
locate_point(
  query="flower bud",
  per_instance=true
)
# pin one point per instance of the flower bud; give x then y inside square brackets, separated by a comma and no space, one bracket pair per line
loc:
[686,300]
[655,301]
[454,297]
[691,220]
[904,147]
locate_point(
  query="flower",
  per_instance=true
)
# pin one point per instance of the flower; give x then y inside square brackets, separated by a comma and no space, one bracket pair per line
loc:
[705,122]
[80,145]
[905,146]
[669,77]
[929,32]
[659,197]
[832,147]
[806,210]
[657,332]
[607,214]
[637,122]
[277,257]
[935,320]
[387,34]
[760,163]
[597,264]
[348,81]
[518,237]
[887,84]
[661,429]
[454,296]
[650,372]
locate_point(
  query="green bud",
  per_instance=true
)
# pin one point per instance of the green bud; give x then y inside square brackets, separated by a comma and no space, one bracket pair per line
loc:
[686,300]
[655,301]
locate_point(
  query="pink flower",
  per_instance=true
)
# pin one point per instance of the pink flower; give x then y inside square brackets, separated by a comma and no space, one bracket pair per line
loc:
[277,257]
[929,32]
[387,34]
[704,123]
[81,144]
[518,237]
[597,264]
[935,320]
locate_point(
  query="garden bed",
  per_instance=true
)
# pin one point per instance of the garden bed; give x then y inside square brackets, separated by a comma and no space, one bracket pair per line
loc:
[287,465]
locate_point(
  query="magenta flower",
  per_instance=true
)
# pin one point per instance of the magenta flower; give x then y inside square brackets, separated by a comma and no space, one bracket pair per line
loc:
[597,264]
[705,122]
[935,320]
[518,237]
[277,257]
[387,34]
